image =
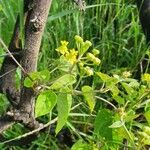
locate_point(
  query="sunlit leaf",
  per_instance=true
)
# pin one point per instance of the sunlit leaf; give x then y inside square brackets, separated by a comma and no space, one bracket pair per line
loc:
[44,75]
[147,116]
[119,99]
[113,88]
[45,103]
[80,145]
[88,94]
[117,124]
[28,82]
[37,77]
[63,81]
[104,77]
[3,104]
[64,102]
[128,88]
[102,122]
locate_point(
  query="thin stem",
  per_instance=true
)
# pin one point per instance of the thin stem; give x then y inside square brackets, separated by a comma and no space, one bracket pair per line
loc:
[32,132]
[10,54]
[78,82]
[7,73]
[134,147]
[104,100]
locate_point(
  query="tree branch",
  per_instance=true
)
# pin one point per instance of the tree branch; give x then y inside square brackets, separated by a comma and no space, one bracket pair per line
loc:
[7,82]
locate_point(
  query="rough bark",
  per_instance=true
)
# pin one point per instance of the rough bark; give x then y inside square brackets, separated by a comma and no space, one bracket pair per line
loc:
[144,15]
[7,82]
[8,69]
[35,23]
[35,16]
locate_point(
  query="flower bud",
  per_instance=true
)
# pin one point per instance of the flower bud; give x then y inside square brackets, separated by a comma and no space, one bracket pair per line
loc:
[88,43]
[96,61]
[95,51]
[81,64]
[90,56]
[89,71]
[78,39]
[146,129]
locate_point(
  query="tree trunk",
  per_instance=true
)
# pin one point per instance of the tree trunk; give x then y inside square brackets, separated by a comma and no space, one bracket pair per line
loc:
[36,13]
[35,23]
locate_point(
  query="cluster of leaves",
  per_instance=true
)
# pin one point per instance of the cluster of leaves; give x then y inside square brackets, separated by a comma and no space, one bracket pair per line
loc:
[126,124]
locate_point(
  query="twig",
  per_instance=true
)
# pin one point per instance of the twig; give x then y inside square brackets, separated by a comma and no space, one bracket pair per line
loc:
[104,100]
[5,125]
[32,132]
[10,54]
[7,73]
[4,55]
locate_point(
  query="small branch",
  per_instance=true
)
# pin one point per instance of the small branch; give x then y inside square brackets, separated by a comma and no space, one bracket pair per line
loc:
[100,98]
[104,100]
[32,132]
[11,55]
[8,69]
[5,123]
[1,76]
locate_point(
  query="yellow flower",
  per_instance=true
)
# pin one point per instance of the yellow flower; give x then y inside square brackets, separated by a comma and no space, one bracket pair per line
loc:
[64,43]
[72,56]
[146,77]
[63,48]
[126,74]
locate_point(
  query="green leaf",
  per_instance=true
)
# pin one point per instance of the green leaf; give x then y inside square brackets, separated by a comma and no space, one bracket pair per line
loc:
[88,94]
[110,82]
[131,115]
[63,81]
[144,137]
[147,116]
[28,83]
[128,88]
[80,145]
[45,103]
[44,75]
[64,65]
[4,103]
[37,77]
[117,124]
[104,77]
[64,102]
[102,122]
[119,99]
[113,88]
[121,133]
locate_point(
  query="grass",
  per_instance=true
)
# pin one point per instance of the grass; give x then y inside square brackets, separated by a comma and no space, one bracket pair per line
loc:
[113,27]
